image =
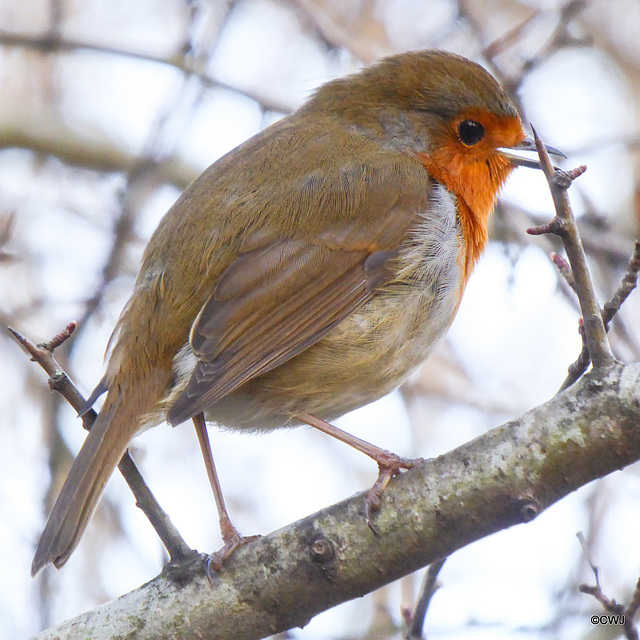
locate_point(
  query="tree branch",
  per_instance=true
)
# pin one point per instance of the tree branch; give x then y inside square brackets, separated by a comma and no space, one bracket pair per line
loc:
[45,133]
[48,43]
[609,604]
[505,477]
[564,225]
[415,620]
[179,551]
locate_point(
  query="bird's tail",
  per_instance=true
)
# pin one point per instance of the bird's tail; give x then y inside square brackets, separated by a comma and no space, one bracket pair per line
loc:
[104,446]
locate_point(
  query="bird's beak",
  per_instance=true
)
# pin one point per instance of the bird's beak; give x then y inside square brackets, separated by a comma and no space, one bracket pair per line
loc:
[528,144]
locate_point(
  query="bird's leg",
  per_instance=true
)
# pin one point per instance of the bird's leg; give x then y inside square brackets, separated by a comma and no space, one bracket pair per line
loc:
[389,464]
[230,535]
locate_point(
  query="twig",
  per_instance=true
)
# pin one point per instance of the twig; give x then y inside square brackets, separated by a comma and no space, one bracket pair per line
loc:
[628,284]
[558,39]
[609,311]
[197,50]
[561,37]
[630,613]
[589,558]
[46,44]
[564,225]
[58,339]
[179,552]
[7,224]
[564,268]
[577,368]
[508,39]
[429,586]
[609,604]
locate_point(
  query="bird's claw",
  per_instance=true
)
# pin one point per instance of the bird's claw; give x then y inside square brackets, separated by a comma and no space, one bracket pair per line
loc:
[389,465]
[215,561]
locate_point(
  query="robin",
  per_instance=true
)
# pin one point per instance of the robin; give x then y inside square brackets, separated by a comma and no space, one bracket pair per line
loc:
[306,273]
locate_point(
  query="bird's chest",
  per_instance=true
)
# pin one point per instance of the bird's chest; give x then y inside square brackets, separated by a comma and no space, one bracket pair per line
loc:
[391,335]
[376,348]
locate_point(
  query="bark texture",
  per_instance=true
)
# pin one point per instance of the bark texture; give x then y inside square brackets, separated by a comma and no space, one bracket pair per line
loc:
[504,477]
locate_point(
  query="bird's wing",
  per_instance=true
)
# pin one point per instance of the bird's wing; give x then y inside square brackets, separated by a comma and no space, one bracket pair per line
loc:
[283,294]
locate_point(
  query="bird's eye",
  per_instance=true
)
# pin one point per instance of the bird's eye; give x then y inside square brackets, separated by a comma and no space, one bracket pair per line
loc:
[470,132]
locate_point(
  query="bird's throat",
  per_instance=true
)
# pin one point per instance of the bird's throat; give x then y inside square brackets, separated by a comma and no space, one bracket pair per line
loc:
[476,186]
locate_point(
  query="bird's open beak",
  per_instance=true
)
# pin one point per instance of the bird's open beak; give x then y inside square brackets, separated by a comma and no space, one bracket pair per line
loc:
[528,144]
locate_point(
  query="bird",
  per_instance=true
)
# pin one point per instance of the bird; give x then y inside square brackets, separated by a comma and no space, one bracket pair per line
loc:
[306,273]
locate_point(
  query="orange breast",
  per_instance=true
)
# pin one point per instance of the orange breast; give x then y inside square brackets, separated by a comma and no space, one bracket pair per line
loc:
[476,186]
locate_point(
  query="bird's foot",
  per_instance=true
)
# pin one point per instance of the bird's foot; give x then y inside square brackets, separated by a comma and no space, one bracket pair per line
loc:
[232,540]
[389,465]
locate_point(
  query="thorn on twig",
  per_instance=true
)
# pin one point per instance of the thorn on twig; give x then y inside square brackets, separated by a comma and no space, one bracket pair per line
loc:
[43,355]
[587,554]
[595,590]
[545,161]
[20,338]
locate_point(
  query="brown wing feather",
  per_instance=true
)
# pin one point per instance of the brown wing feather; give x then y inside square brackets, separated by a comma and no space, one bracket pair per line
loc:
[238,338]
